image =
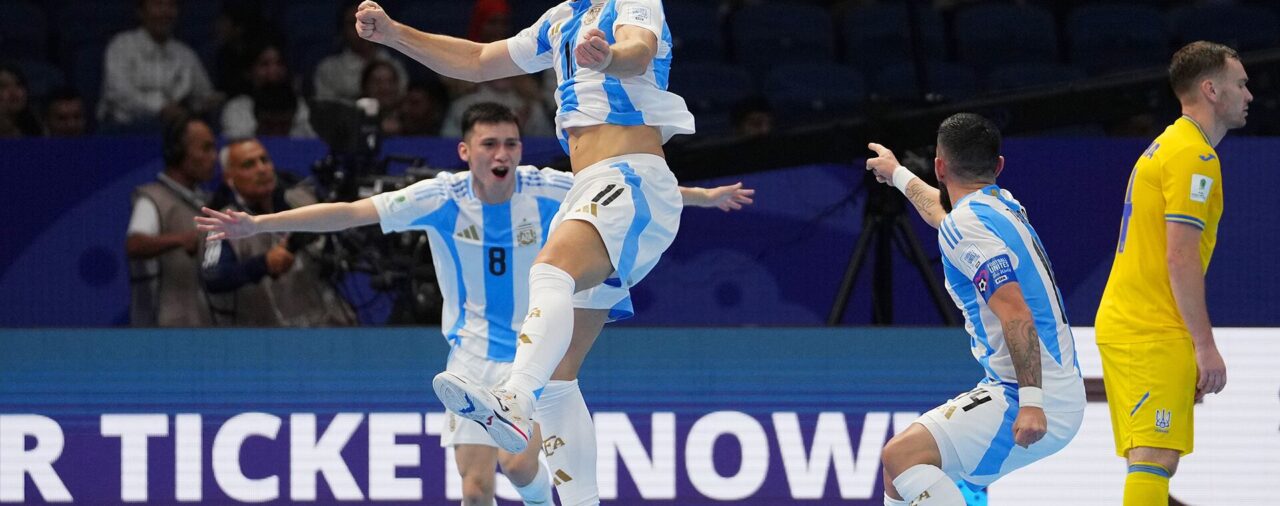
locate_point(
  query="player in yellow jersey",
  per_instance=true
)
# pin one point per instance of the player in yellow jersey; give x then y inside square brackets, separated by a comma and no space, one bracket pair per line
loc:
[1158,352]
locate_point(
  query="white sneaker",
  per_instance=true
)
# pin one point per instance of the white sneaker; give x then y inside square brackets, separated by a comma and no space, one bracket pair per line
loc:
[497,410]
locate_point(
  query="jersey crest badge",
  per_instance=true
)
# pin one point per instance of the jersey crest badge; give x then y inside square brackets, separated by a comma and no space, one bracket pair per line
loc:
[592,14]
[1163,419]
[526,234]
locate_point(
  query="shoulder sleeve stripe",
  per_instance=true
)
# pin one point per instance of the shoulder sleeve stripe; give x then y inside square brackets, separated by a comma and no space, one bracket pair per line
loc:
[1182,218]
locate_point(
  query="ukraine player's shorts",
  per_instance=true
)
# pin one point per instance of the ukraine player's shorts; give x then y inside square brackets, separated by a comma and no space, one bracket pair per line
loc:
[634,202]
[490,373]
[974,433]
[1151,390]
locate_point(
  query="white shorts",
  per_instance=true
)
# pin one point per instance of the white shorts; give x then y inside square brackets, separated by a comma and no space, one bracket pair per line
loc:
[634,202]
[460,431]
[974,432]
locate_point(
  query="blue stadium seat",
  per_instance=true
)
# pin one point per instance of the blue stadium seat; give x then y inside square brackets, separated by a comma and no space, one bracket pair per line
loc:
[1243,27]
[710,86]
[24,31]
[879,34]
[1031,75]
[990,35]
[948,81]
[814,87]
[448,17]
[695,30]
[1107,38]
[766,34]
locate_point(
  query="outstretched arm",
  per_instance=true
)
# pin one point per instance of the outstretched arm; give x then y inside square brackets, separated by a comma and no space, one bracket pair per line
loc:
[921,195]
[726,198]
[630,55]
[449,56]
[1024,346]
[328,217]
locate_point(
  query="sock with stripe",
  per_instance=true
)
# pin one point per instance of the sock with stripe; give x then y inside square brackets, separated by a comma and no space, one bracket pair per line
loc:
[926,485]
[569,443]
[544,338]
[1146,485]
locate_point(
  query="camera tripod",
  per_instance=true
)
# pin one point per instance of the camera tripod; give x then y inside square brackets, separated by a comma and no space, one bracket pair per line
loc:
[885,224]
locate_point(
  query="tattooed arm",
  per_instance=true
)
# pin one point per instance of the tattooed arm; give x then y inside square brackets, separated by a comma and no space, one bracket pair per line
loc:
[922,196]
[1024,347]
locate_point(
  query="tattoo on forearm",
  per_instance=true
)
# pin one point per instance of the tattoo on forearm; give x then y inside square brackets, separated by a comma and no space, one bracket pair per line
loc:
[920,196]
[1024,346]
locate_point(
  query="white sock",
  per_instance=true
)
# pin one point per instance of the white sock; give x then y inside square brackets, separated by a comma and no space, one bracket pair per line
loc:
[889,501]
[570,444]
[548,329]
[538,491]
[926,485]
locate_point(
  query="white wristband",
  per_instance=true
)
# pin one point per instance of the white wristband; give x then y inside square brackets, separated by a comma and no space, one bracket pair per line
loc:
[1031,397]
[902,177]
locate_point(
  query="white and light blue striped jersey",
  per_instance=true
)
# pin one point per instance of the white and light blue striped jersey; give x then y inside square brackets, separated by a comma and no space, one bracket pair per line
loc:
[987,242]
[482,252]
[586,97]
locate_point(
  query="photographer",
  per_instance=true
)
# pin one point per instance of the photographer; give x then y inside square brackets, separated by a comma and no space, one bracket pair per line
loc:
[269,280]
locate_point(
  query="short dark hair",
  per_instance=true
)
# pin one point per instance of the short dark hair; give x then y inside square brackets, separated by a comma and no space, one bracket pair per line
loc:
[1195,61]
[489,113]
[972,145]
[274,97]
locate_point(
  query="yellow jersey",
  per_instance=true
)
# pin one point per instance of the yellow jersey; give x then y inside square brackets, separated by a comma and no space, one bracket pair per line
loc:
[1177,179]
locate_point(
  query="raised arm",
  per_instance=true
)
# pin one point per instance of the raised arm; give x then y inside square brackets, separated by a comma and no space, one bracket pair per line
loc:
[1186,279]
[329,217]
[726,198]
[1024,346]
[922,196]
[449,56]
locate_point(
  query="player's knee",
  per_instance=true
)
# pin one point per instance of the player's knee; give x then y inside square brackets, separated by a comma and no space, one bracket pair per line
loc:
[477,490]
[911,447]
[1166,458]
[896,456]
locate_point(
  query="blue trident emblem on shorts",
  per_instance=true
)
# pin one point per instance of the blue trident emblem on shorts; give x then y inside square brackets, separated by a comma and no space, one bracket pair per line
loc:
[1163,419]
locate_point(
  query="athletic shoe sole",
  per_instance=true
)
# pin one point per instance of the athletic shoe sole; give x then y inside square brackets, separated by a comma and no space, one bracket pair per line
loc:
[476,403]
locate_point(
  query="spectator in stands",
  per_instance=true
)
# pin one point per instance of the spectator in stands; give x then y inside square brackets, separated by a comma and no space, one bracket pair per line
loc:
[65,115]
[268,280]
[752,117]
[338,77]
[381,81]
[162,238]
[150,77]
[16,117]
[270,81]
[239,31]
[422,109]
[491,21]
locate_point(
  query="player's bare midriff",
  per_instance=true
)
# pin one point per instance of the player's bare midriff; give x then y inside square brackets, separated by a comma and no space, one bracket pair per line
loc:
[590,144]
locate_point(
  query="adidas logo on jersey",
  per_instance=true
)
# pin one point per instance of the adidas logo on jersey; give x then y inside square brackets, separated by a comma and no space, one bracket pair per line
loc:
[469,233]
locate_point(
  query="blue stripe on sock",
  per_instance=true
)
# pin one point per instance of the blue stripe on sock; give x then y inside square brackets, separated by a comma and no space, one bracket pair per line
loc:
[1150,469]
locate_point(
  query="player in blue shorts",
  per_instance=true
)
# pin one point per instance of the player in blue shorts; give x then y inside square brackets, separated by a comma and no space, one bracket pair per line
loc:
[485,227]
[1031,402]
[612,60]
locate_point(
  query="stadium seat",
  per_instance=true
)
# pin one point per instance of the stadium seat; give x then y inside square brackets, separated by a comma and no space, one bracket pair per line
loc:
[948,81]
[695,30]
[1243,27]
[1030,75]
[879,34]
[769,33]
[1108,38]
[990,35]
[710,86]
[24,31]
[800,88]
